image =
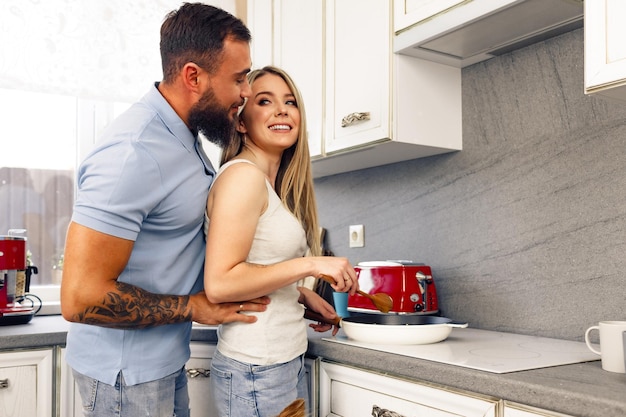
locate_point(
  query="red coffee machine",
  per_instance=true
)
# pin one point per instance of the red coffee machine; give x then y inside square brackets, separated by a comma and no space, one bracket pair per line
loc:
[13,277]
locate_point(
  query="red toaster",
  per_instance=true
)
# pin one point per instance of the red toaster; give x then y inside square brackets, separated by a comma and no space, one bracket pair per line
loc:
[410,285]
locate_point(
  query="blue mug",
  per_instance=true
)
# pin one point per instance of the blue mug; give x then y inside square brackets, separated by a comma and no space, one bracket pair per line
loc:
[340,299]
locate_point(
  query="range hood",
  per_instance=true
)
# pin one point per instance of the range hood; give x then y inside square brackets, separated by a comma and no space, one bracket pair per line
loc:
[476,30]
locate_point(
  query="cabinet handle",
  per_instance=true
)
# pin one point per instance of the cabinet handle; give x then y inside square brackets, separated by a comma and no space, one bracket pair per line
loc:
[354,117]
[4,383]
[196,372]
[382,412]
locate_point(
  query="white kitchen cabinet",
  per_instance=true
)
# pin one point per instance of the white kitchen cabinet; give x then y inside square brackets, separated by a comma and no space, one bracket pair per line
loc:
[351,392]
[358,71]
[519,410]
[69,397]
[339,54]
[409,12]
[421,115]
[198,374]
[298,49]
[288,34]
[381,108]
[26,383]
[259,19]
[605,50]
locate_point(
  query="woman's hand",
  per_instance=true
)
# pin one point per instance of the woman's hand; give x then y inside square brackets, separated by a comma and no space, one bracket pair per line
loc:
[339,273]
[314,302]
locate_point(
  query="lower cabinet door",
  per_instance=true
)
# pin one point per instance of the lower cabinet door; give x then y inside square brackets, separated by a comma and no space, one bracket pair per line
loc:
[352,392]
[26,380]
[198,374]
[70,404]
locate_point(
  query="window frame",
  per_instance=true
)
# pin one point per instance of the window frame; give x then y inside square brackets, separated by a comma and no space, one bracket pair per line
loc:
[92,116]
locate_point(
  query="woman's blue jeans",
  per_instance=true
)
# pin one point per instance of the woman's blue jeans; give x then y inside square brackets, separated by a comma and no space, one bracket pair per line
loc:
[245,390]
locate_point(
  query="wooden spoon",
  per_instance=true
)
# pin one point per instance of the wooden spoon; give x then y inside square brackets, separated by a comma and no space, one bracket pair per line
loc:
[382,301]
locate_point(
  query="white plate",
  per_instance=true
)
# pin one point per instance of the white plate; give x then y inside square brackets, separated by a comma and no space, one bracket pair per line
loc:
[406,334]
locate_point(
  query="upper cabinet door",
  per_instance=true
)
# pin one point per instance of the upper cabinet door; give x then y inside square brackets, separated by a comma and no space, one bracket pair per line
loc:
[365,106]
[259,21]
[605,49]
[409,12]
[358,72]
[298,49]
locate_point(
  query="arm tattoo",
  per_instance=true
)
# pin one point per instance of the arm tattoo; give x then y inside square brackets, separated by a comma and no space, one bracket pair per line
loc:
[131,307]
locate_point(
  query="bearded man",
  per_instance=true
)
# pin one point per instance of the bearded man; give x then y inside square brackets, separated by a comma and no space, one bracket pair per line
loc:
[134,256]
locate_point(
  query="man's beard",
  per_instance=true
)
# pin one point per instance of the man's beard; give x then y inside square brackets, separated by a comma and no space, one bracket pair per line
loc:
[208,117]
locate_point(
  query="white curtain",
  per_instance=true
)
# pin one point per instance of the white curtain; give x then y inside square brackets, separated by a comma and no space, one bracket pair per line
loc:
[100,49]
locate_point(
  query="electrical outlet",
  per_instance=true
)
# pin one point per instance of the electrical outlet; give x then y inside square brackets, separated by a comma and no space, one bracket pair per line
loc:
[357,236]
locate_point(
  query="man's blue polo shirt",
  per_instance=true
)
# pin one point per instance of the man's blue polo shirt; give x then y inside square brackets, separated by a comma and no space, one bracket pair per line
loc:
[144,182]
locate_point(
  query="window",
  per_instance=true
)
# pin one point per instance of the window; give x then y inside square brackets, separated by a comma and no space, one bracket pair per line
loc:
[45,136]
[37,174]
[67,69]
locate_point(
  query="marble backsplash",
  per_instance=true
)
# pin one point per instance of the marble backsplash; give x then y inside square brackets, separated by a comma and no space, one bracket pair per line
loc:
[525,229]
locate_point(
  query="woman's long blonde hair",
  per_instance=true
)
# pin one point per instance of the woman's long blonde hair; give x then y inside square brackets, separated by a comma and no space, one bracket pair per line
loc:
[294,181]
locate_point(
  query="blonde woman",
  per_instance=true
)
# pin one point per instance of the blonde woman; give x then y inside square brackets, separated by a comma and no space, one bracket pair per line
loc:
[262,222]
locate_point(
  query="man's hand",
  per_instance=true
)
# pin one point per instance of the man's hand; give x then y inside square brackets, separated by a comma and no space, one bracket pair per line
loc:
[314,302]
[205,312]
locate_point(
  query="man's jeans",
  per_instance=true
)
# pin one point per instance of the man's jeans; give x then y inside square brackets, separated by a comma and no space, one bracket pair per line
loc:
[166,397]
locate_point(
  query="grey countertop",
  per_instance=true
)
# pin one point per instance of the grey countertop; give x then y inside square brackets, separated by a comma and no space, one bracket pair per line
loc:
[45,331]
[580,390]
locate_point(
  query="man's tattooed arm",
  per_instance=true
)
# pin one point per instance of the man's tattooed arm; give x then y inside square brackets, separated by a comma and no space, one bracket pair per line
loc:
[131,307]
